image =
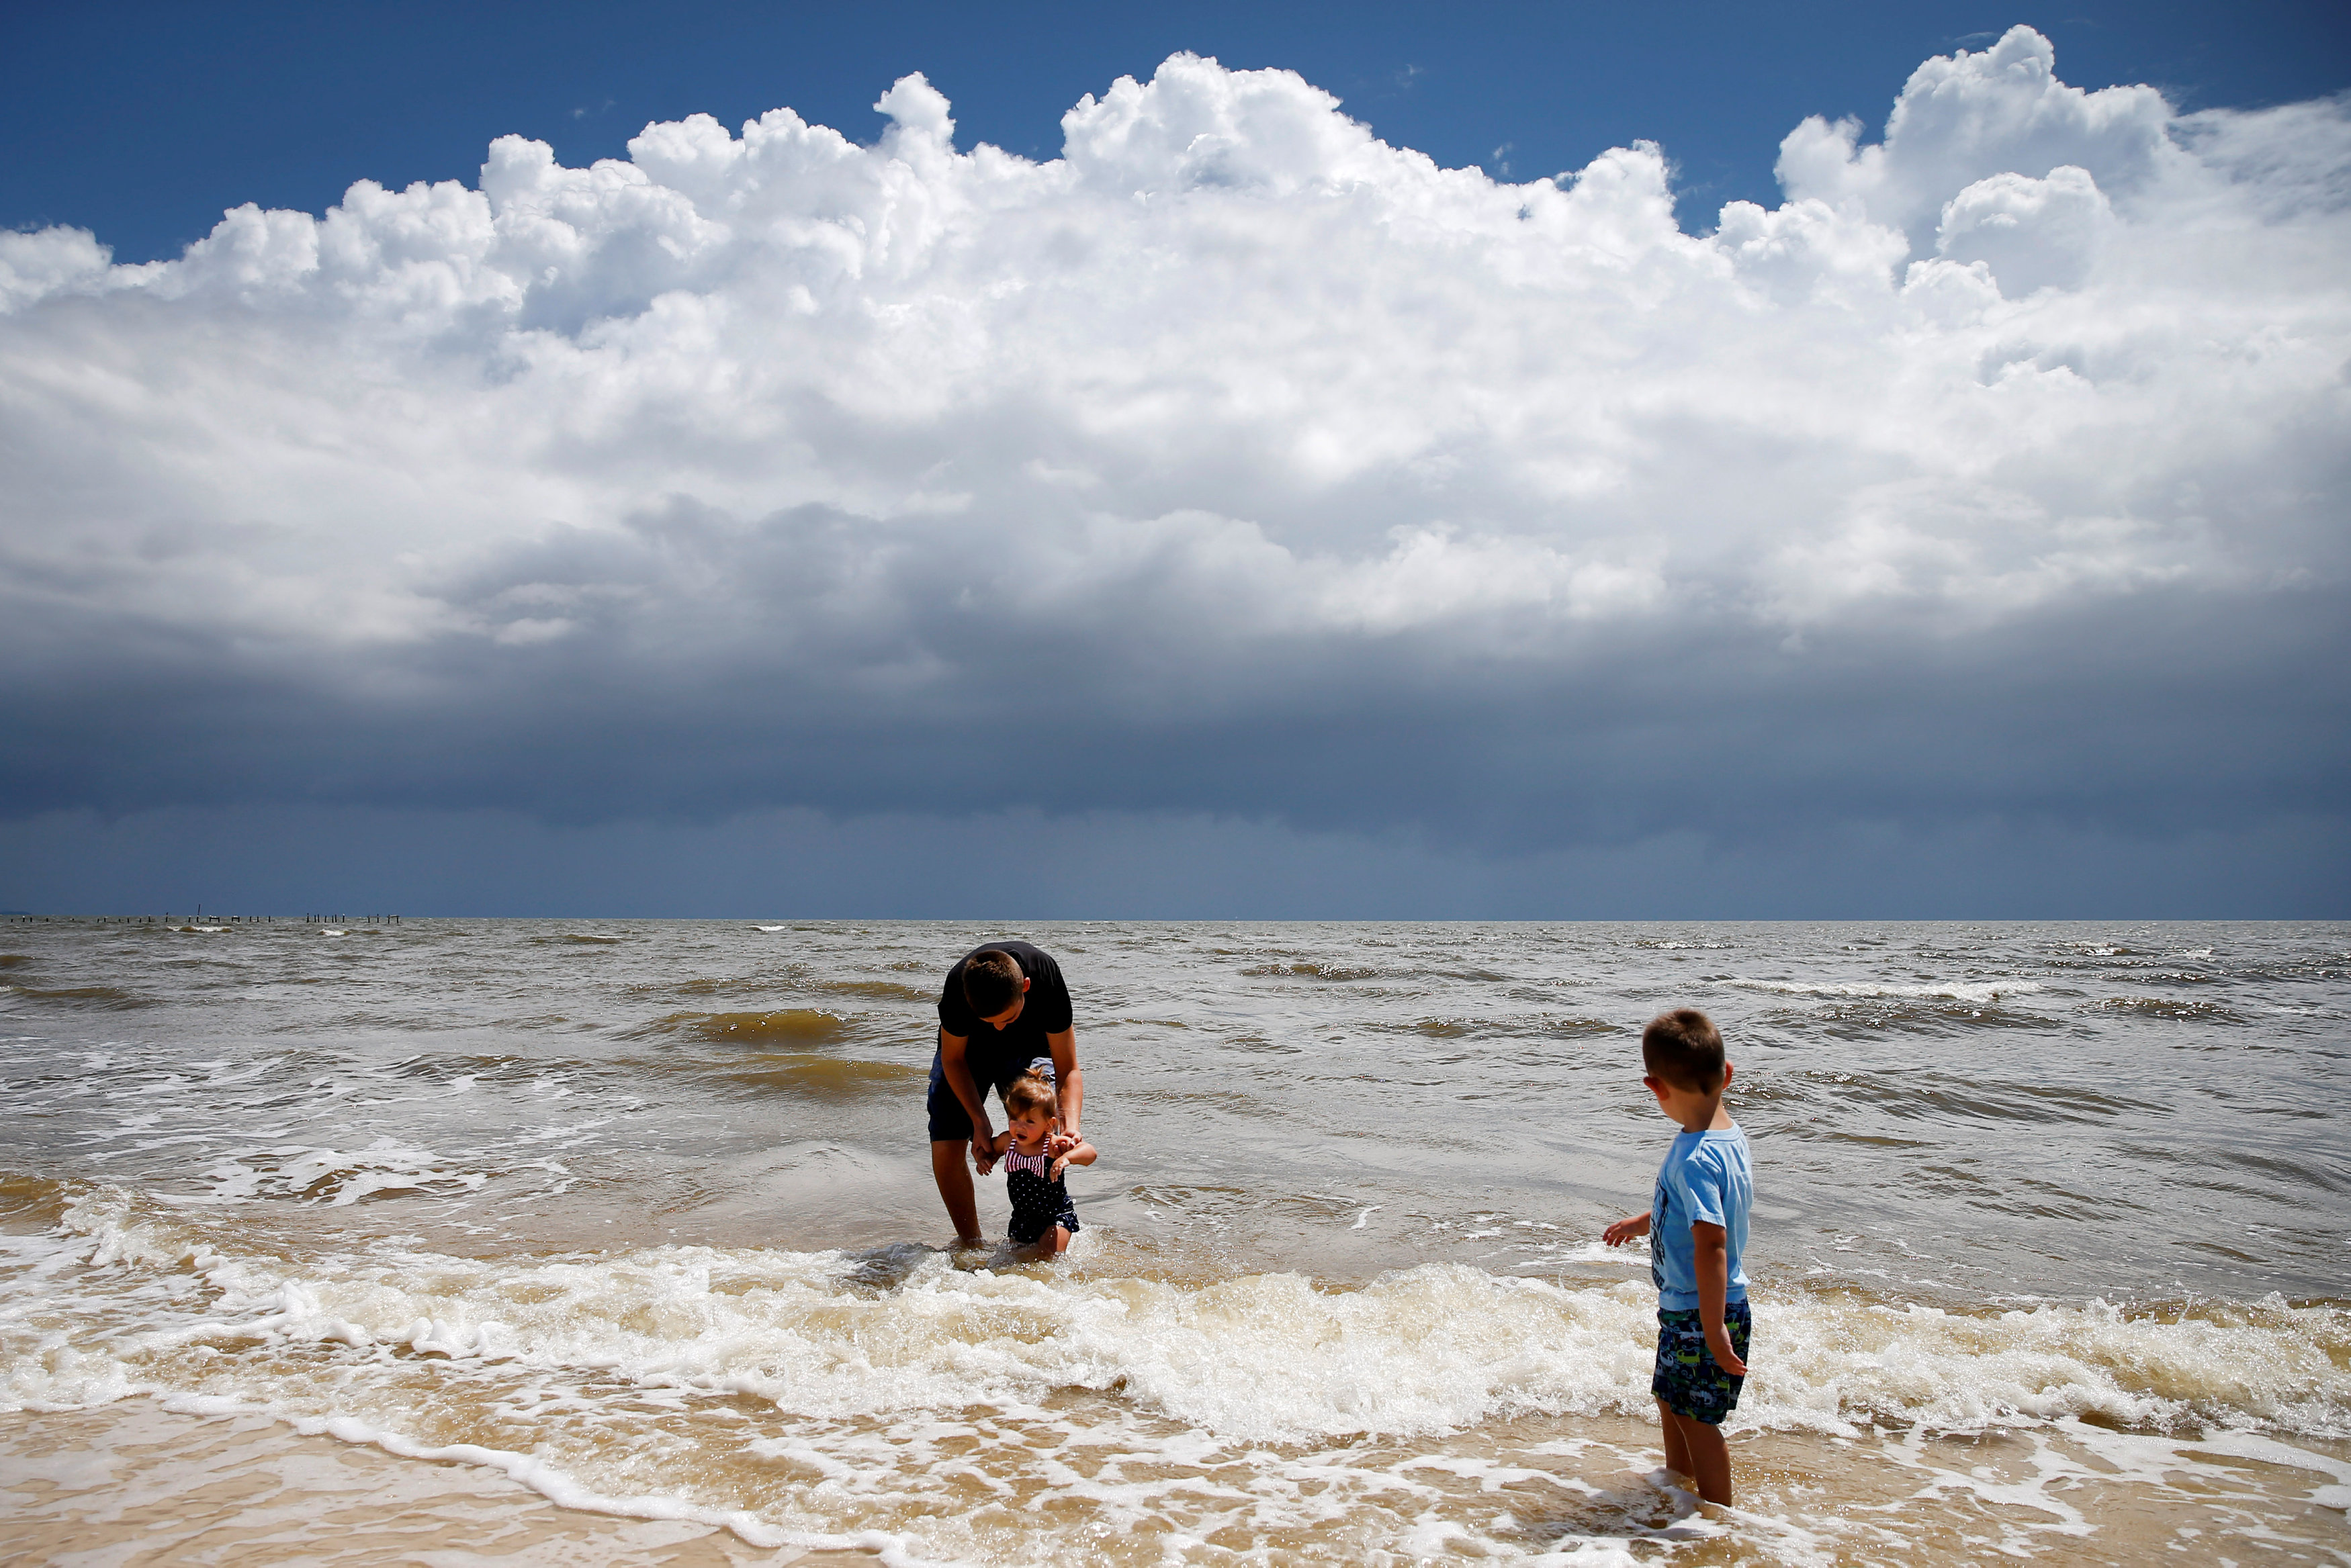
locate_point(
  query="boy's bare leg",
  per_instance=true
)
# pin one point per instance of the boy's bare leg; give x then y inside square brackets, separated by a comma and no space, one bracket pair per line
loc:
[1707,1455]
[1060,1239]
[952,1167]
[1677,1458]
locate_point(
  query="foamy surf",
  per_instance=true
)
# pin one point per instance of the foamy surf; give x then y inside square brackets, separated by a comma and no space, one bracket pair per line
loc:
[327,1175]
[822,1397]
[1973,993]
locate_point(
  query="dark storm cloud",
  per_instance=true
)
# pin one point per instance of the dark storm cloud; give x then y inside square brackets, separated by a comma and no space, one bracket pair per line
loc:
[2165,710]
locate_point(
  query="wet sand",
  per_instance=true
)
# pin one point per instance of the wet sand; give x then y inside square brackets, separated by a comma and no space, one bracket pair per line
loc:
[133,1485]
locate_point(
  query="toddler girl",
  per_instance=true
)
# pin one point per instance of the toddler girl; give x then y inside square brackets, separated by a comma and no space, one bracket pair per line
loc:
[1035,1153]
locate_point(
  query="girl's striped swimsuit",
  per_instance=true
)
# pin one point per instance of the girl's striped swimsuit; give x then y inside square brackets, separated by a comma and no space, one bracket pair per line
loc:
[1039,1203]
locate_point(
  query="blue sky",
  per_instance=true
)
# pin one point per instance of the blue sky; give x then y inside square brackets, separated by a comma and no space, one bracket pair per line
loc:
[1352,476]
[144,122]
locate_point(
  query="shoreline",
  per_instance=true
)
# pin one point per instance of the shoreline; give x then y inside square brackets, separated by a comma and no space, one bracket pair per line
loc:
[136,1481]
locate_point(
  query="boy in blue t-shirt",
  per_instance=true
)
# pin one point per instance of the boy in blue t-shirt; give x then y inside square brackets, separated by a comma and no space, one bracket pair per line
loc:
[1696,1226]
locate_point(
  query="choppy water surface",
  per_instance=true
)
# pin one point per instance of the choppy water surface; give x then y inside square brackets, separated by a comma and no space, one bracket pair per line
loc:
[2048,1248]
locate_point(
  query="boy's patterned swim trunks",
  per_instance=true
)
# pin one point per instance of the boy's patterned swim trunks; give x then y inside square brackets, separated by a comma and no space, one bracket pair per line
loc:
[1687,1377]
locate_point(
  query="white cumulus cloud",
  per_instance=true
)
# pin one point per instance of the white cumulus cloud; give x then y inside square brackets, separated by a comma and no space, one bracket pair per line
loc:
[811,466]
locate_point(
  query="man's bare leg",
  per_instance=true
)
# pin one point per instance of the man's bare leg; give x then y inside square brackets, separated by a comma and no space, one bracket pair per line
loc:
[951,1165]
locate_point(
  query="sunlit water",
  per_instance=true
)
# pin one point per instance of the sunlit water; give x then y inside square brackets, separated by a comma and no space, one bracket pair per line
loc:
[2049,1245]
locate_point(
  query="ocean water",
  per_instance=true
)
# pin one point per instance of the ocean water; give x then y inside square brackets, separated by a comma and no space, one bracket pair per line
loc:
[616,1241]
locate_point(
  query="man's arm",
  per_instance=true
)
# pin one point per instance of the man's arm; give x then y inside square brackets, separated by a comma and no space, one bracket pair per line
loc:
[959,1079]
[1710,1259]
[1069,1084]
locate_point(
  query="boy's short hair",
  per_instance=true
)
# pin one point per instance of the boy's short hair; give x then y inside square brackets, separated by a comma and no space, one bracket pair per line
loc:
[991,981]
[1031,1092]
[1684,1048]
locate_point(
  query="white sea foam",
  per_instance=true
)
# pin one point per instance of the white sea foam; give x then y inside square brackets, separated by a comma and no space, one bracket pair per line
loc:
[1267,1397]
[1976,993]
[1268,1357]
[328,1176]
[1635,1254]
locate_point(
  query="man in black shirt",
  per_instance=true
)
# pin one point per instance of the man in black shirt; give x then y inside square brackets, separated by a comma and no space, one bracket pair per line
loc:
[1002,1011]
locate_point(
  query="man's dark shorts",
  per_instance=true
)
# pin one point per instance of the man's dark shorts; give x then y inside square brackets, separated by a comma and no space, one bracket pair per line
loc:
[1688,1379]
[950,1123]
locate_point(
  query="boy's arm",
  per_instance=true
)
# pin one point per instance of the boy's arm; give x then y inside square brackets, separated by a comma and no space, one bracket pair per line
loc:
[1624,1230]
[1711,1257]
[1079,1153]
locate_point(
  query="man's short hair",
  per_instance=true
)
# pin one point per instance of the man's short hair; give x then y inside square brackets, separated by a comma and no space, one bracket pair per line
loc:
[991,981]
[1032,1092]
[1684,1049]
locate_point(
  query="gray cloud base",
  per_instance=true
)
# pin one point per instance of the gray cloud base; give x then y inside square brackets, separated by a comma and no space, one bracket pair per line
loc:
[1234,480]
[1025,866]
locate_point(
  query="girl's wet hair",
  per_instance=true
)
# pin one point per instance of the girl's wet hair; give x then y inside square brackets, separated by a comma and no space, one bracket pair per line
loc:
[1031,1092]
